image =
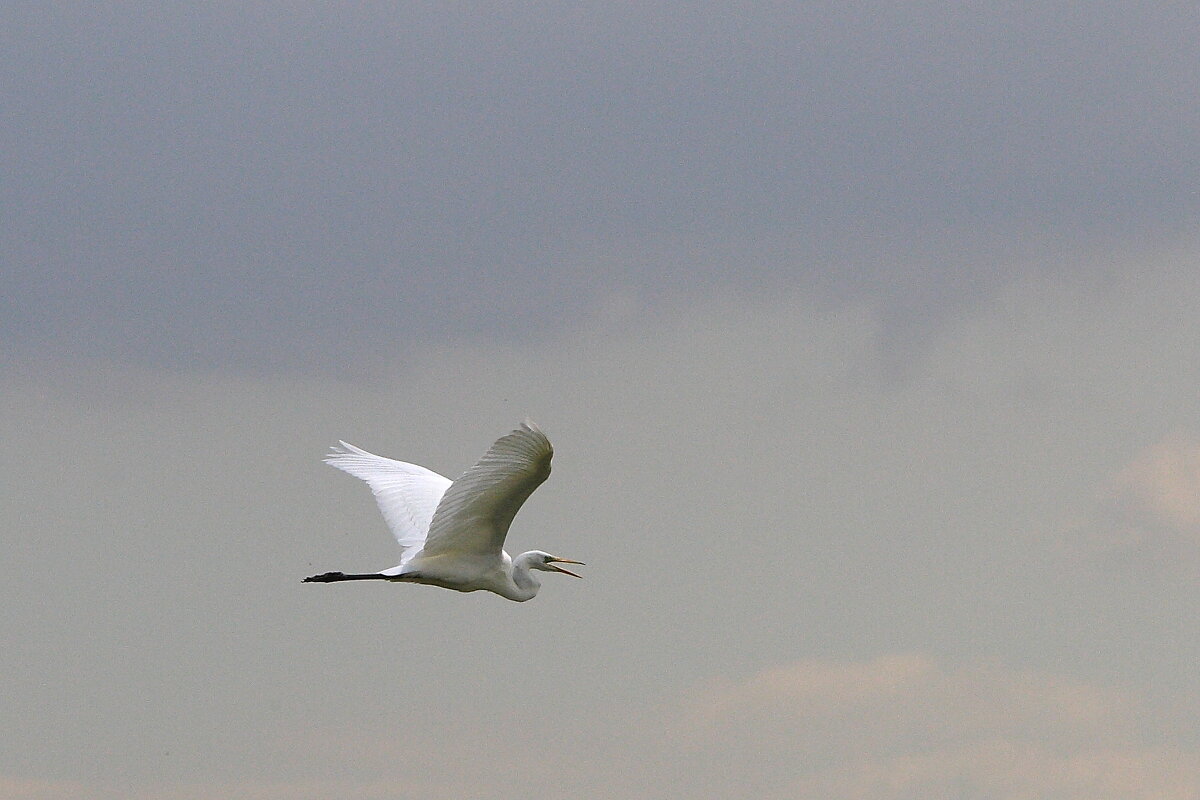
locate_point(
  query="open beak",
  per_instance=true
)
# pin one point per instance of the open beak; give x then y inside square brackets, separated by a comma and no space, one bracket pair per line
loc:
[551,564]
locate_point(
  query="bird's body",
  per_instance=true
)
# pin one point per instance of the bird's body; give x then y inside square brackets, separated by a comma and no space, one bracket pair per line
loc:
[451,533]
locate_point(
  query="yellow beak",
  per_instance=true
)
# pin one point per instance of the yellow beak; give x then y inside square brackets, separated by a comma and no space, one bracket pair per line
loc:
[550,563]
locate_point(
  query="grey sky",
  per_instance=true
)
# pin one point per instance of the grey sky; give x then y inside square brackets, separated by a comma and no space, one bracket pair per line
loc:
[697,245]
[270,186]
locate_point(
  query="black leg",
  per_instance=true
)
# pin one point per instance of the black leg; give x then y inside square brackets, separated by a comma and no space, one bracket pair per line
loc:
[333,577]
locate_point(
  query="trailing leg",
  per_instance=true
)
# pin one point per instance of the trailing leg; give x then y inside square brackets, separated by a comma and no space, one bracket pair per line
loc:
[333,577]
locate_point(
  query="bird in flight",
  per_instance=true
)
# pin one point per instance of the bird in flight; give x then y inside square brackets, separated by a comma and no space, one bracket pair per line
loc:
[451,533]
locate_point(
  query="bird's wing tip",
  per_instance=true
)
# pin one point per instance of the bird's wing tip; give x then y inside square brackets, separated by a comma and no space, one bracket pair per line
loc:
[530,427]
[340,450]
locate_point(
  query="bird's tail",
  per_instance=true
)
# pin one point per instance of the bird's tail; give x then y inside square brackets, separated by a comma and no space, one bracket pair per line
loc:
[333,577]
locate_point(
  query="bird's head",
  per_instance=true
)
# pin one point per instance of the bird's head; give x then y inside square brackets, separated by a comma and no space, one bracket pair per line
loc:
[549,563]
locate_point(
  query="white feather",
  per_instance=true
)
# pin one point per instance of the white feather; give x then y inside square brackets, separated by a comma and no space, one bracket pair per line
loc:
[474,515]
[407,494]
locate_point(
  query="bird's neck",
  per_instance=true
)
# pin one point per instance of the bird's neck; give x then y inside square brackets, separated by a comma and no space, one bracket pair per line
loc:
[525,583]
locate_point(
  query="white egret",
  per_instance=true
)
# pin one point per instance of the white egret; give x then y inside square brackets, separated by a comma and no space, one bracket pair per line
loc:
[451,534]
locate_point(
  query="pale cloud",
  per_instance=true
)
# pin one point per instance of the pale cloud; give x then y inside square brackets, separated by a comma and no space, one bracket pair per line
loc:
[249,789]
[1149,509]
[901,726]
[1163,481]
[984,695]
[38,789]
[308,789]
[1004,770]
[908,726]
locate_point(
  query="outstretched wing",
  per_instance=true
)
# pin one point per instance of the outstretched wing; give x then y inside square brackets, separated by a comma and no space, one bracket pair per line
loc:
[407,494]
[474,515]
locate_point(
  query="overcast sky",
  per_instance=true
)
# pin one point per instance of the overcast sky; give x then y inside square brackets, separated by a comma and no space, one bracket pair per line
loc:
[865,335]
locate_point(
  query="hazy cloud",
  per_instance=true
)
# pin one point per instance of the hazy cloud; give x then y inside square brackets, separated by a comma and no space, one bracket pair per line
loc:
[1148,513]
[895,727]
[1007,771]
[1163,481]
[33,789]
[911,686]
[906,726]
